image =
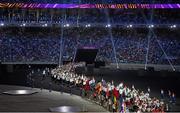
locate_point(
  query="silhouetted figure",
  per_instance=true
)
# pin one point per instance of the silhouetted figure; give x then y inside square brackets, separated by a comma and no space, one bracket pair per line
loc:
[41,85]
[50,86]
[162,94]
[44,74]
[149,90]
[173,98]
[70,89]
[169,96]
[32,83]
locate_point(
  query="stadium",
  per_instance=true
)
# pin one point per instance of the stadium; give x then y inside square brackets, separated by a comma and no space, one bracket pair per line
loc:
[89,56]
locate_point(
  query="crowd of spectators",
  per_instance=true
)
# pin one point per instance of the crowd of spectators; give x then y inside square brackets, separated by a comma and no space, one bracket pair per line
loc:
[114,16]
[32,44]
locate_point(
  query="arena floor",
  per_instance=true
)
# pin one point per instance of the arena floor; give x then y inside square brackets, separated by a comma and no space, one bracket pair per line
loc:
[155,81]
[42,101]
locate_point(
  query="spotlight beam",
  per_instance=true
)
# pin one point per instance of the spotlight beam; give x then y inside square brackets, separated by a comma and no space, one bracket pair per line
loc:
[149,36]
[111,37]
[155,36]
[61,41]
[77,23]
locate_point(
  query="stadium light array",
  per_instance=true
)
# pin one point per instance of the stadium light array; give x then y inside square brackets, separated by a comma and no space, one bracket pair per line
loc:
[151,26]
[88,25]
[23,24]
[173,26]
[2,24]
[66,25]
[108,25]
[44,25]
[129,26]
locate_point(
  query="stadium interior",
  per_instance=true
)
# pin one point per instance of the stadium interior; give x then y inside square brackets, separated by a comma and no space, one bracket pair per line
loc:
[89,59]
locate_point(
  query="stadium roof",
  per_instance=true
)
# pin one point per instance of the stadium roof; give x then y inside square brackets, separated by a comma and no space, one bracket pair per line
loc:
[112,6]
[91,1]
